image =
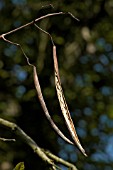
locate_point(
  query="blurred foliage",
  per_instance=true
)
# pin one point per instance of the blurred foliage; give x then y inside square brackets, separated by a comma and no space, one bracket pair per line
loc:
[20,166]
[85,55]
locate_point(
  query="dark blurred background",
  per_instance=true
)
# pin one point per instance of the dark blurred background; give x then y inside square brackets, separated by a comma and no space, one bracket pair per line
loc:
[85,55]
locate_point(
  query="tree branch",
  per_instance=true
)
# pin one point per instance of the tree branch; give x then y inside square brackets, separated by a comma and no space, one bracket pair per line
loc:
[60,160]
[36,20]
[28,140]
[30,23]
[46,156]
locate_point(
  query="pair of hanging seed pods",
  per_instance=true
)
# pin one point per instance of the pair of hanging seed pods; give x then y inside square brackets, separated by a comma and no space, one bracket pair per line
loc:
[62,102]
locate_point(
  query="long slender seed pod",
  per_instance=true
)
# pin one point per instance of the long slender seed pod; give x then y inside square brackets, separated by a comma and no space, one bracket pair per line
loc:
[42,102]
[63,104]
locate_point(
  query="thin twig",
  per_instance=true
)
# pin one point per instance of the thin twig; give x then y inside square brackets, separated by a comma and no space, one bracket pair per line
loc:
[45,33]
[73,16]
[7,140]
[30,23]
[60,160]
[36,20]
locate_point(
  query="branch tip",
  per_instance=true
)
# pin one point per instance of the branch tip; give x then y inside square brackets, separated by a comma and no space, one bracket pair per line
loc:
[73,16]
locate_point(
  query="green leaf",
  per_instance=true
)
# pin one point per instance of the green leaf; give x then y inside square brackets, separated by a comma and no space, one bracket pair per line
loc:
[20,166]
